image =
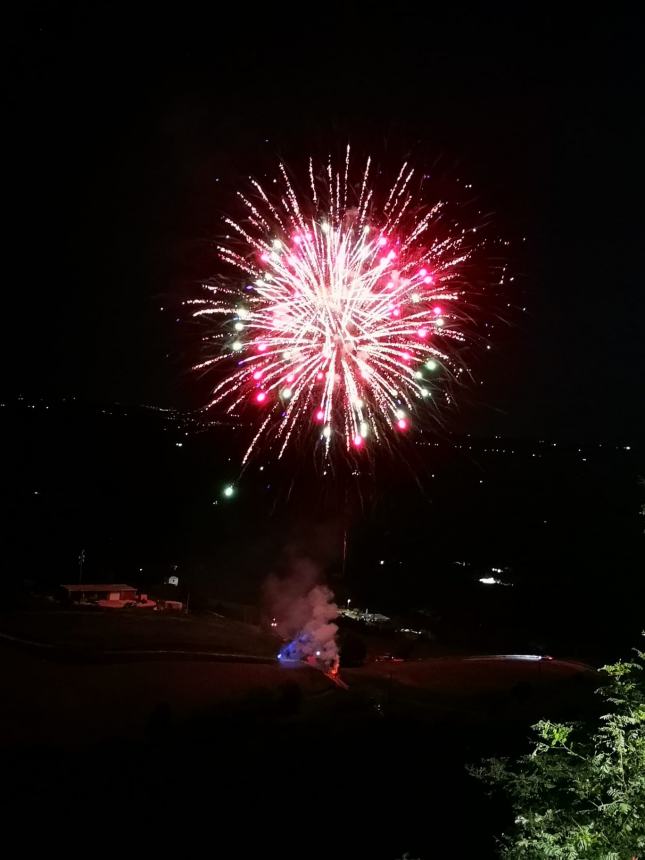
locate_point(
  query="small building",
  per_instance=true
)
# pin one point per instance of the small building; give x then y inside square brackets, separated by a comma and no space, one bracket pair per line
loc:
[116,593]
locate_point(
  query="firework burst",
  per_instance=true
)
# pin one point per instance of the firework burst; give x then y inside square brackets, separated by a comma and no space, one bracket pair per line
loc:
[345,316]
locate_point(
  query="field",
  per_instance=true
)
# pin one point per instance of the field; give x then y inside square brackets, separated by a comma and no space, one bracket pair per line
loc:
[133,629]
[96,714]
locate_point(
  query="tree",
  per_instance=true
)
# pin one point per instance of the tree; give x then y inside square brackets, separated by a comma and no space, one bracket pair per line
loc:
[581,791]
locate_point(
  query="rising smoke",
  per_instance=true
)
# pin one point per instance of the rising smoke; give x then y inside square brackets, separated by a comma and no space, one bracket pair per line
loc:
[304,611]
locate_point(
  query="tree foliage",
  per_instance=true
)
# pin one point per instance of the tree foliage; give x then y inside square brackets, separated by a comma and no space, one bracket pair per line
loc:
[580,793]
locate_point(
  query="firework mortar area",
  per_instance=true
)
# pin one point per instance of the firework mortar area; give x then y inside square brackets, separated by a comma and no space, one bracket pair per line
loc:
[305,614]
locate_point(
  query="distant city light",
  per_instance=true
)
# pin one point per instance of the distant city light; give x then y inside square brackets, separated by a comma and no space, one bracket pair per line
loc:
[492,580]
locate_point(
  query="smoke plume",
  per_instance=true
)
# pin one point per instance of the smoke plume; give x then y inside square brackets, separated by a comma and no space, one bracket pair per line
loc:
[304,611]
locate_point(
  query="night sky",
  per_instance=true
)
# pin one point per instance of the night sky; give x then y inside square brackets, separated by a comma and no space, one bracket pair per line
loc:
[118,126]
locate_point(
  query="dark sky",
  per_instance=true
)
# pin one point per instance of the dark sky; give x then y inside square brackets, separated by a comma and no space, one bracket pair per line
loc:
[119,123]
